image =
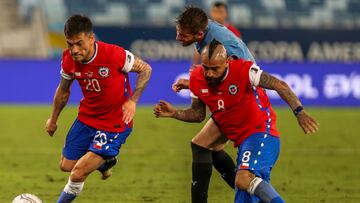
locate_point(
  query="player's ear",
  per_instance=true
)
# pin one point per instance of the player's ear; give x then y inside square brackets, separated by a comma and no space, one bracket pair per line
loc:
[92,36]
[200,34]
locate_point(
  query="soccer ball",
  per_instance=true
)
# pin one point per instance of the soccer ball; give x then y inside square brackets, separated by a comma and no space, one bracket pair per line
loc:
[27,198]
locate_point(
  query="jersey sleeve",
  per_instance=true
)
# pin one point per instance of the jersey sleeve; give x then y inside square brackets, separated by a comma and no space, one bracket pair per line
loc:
[254,74]
[124,59]
[67,69]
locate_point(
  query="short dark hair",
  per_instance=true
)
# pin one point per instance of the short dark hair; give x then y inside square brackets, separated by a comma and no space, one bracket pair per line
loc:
[193,19]
[219,4]
[76,24]
[212,46]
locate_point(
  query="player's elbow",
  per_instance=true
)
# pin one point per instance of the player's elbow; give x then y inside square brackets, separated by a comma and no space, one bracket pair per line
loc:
[200,118]
[147,70]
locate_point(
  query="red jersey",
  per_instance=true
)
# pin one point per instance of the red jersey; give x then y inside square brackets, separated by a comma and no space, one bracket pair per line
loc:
[104,83]
[238,106]
[233,29]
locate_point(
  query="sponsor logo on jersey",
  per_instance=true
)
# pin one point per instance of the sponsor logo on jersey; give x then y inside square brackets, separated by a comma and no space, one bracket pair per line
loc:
[89,74]
[233,89]
[104,72]
[204,91]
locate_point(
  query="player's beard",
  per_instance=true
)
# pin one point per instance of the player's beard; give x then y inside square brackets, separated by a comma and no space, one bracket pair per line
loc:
[213,82]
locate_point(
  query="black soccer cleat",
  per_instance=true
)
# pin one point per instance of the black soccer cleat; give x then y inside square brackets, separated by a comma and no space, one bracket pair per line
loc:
[106,168]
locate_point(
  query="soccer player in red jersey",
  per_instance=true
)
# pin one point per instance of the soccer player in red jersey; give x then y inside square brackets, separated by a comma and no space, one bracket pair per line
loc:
[107,108]
[219,13]
[234,92]
[194,27]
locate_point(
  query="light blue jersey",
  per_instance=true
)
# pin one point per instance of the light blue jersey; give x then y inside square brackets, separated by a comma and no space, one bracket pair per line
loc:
[234,46]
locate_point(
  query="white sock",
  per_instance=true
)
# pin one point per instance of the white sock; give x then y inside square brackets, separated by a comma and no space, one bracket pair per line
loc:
[73,188]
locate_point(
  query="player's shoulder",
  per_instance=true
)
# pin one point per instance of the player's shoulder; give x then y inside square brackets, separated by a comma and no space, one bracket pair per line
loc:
[240,64]
[219,31]
[196,72]
[110,51]
[66,55]
[107,47]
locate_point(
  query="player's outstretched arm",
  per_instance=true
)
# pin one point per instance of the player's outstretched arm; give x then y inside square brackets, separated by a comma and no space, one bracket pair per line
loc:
[61,97]
[144,72]
[196,113]
[306,122]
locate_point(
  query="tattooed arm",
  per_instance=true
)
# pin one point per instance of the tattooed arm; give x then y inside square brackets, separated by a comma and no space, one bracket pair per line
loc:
[306,122]
[196,113]
[61,98]
[268,81]
[144,71]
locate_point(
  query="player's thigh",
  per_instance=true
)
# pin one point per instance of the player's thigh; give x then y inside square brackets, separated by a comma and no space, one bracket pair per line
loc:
[210,137]
[77,141]
[258,154]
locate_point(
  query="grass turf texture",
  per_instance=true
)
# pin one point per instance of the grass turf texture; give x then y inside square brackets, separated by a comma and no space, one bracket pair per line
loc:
[155,163]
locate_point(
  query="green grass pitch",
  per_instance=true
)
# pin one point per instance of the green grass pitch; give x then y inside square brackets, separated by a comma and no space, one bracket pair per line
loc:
[155,163]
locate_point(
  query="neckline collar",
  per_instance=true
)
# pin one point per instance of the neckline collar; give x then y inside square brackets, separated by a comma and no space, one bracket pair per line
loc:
[94,55]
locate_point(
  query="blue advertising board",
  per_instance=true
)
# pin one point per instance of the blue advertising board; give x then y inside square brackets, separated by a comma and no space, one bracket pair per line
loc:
[35,81]
[267,45]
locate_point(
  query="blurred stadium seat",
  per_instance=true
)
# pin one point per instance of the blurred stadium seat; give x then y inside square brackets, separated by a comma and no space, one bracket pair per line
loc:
[18,18]
[249,13]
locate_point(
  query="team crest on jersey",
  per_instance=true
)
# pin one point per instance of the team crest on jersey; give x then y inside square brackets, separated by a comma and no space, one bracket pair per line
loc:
[104,72]
[233,89]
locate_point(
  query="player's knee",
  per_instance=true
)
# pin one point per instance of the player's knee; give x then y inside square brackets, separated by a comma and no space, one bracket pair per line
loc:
[200,154]
[200,141]
[243,179]
[65,168]
[219,147]
[77,175]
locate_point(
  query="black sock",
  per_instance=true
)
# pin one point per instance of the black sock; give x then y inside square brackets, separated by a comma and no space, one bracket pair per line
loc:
[225,166]
[201,173]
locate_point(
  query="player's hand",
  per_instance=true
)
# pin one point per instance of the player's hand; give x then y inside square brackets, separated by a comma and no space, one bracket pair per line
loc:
[128,109]
[307,123]
[180,84]
[164,109]
[50,127]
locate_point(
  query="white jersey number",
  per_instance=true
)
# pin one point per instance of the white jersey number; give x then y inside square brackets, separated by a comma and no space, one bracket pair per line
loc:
[92,85]
[246,156]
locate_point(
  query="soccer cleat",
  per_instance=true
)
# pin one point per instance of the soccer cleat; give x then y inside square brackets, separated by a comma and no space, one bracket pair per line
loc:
[106,169]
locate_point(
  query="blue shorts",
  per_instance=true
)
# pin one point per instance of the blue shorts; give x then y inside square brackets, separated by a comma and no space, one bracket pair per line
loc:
[258,154]
[82,138]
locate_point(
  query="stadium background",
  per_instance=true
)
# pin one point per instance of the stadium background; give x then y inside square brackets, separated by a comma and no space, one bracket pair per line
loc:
[313,45]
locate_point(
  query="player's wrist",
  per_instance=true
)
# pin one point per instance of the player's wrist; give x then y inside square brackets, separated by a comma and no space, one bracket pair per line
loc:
[133,100]
[298,110]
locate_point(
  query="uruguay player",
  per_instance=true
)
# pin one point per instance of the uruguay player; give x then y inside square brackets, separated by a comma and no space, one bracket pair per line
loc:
[105,114]
[233,91]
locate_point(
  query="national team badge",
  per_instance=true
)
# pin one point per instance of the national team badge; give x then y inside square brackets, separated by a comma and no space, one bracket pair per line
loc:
[233,89]
[97,146]
[104,72]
